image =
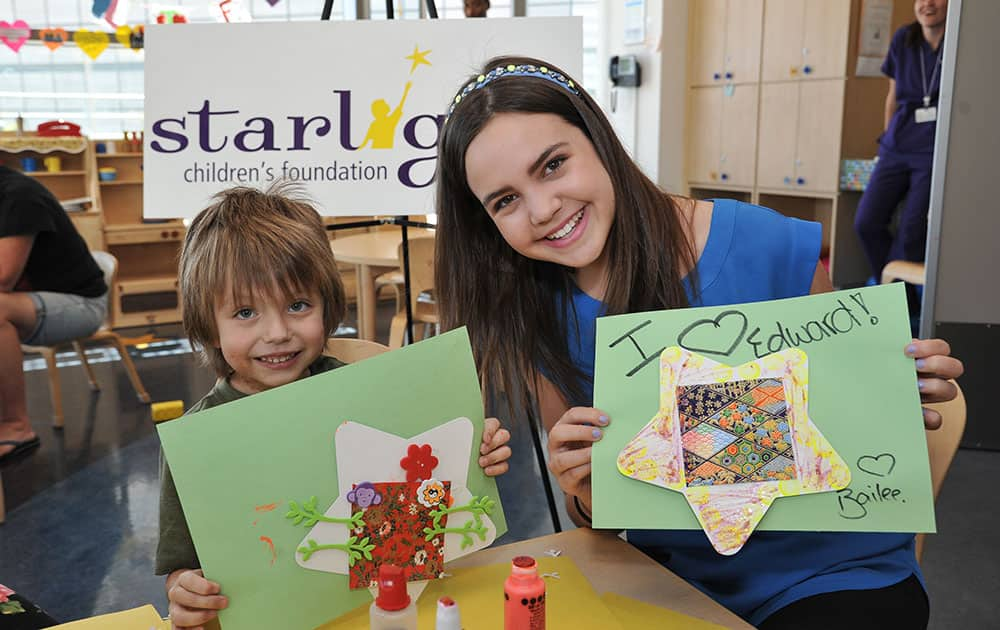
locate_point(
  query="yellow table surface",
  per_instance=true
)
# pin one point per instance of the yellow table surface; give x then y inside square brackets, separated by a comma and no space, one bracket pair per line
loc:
[142,618]
[570,602]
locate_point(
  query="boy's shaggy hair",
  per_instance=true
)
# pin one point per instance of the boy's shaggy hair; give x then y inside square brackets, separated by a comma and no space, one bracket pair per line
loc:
[254,243]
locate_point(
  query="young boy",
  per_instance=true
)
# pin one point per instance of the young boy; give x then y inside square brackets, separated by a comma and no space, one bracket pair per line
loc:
[261,294]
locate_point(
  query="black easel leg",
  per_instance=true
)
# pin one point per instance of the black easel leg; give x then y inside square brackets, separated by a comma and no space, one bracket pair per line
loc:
[534,426]
[406,278]
[390,13]
[432,10]
[327,10]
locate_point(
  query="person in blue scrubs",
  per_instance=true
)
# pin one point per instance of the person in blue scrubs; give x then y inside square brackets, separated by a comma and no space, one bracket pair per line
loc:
[906,149]
[544,224]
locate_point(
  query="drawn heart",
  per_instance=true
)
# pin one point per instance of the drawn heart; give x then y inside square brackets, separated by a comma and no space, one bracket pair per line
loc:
[15,34]
[879,465]
[709,336]
[92,43]
[53,37]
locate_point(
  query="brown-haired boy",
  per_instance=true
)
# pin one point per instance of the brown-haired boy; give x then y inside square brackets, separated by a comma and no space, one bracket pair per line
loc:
[261,294]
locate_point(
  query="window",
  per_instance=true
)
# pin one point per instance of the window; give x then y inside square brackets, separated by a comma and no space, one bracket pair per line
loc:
[105,96]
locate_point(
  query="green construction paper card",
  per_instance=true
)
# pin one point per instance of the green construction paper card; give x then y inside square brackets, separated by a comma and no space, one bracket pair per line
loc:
[237,466]
[863,397]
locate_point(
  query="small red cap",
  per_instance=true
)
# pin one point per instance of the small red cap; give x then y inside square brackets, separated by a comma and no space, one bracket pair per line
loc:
[392,593]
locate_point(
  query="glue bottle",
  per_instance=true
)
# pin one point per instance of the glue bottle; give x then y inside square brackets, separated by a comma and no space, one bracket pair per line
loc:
[392,609]
[524,596]
[448,617]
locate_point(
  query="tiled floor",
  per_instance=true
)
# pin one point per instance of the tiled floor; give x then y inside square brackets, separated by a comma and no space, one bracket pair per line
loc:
[81,523]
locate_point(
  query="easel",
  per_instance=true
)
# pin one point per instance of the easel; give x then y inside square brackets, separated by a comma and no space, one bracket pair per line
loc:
[404,222]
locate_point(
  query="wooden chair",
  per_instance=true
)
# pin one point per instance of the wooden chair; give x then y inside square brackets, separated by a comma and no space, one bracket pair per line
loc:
[942,445]
[421,280]
[109,265]
[351,350]
[912,272]
[394,278]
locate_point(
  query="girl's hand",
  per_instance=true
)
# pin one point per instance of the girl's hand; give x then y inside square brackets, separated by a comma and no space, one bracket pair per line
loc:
[494,451]
[935,366]
[570,444]
[194,600]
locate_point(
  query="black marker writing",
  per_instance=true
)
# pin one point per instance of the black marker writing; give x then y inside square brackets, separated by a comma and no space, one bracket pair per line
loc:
[852,502]
[837,322]
[646,359]
[861,302]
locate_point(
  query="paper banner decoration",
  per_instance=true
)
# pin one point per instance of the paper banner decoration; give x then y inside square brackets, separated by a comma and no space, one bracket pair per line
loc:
[732,440]
[238,468]
[14,34]
[402,501]
[92,43]
[53,37]
[862,397]
[130,36]
[111,10]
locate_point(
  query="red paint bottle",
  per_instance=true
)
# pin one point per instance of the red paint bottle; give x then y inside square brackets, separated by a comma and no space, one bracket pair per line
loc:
[524,596]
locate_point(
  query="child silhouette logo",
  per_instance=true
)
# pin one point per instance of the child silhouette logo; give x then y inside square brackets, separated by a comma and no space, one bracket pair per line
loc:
[382,131]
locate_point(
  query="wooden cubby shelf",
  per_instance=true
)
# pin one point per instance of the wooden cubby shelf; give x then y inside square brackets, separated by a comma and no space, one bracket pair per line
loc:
[146,291]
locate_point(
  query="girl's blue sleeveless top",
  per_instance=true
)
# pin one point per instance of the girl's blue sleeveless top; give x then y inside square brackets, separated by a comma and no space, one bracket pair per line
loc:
[755,254]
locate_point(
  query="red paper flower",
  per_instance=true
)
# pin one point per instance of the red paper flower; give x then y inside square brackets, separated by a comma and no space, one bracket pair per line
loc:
[419,464]
[5,593]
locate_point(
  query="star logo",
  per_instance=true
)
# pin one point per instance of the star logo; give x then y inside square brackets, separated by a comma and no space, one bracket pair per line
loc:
[418,57]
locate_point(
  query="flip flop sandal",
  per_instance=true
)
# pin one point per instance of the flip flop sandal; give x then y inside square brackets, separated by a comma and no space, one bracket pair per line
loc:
[20,447]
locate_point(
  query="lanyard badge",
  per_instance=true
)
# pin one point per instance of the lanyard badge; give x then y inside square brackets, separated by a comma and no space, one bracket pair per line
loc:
[927,113]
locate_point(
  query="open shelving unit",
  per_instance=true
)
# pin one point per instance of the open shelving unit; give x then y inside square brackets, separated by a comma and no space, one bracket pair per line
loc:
[146,291]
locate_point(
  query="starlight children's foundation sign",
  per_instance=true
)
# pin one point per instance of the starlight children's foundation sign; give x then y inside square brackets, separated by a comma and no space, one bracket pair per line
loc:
[351,110]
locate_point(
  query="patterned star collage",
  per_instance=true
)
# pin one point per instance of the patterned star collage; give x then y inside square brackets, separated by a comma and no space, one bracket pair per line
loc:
[735,432]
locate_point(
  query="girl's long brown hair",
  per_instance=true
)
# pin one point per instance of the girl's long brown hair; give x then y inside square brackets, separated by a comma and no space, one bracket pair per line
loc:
[511,304]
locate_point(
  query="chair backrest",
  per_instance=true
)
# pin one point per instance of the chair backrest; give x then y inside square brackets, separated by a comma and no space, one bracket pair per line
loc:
[421,266]
[942,445]
[109,265]
[350,350]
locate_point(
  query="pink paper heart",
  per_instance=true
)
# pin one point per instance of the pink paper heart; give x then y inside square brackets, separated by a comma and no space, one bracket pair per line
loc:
[15,39]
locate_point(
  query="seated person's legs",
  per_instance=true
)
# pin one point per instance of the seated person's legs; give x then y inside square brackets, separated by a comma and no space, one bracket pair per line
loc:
[17,319]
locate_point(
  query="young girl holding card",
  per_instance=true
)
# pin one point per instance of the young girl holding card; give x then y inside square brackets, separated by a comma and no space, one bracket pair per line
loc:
[261,294]
[545,223]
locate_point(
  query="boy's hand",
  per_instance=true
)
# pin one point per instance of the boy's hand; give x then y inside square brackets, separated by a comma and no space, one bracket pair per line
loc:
[194,600]
[935,366]
[494,451]
[570,448]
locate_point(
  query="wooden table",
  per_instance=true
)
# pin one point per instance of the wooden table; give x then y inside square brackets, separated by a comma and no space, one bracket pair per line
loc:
[371,253]
[611,564]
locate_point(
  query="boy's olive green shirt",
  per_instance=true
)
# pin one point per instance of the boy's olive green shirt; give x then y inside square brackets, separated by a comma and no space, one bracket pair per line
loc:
[175,549]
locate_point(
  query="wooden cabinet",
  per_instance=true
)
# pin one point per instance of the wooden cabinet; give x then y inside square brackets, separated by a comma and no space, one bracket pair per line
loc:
[146,290]
[722,135]
[800,134]
[777,136]
[805,39]
[725,40]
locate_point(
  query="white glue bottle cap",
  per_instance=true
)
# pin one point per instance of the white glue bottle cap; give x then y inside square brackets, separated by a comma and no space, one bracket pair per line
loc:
[448,617]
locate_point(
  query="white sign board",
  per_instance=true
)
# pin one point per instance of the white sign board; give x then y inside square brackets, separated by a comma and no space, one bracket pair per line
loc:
[351,110]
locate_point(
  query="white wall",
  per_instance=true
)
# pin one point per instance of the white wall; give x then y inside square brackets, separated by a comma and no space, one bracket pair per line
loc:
[650,118]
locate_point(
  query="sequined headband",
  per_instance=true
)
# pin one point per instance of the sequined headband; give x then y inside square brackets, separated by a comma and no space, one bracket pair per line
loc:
[511,70]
